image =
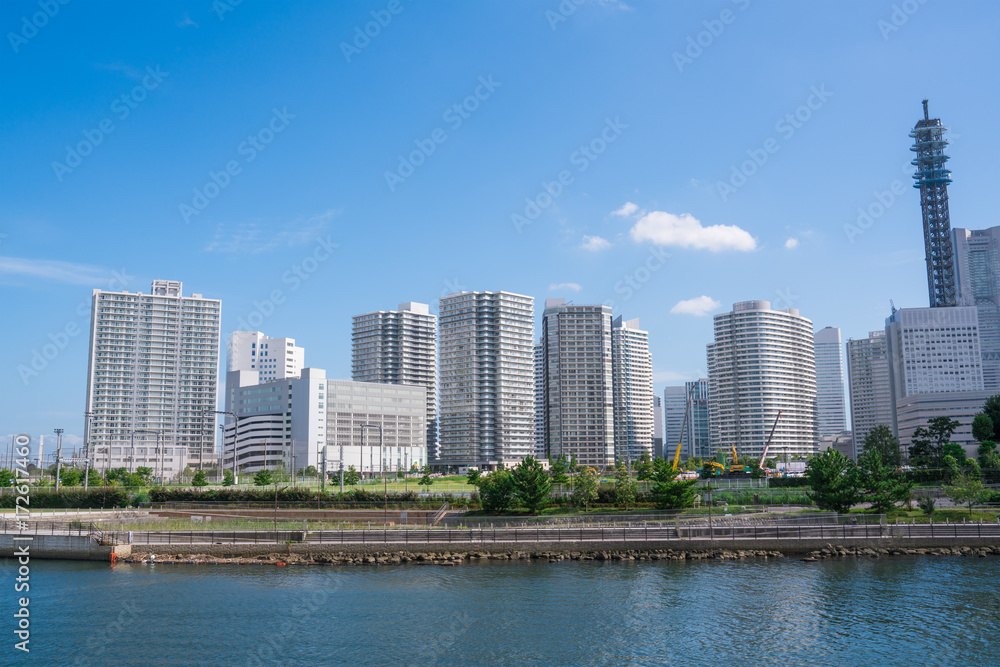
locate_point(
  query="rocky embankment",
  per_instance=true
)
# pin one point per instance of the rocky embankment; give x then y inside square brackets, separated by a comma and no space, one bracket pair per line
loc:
[831,551]
[453,558]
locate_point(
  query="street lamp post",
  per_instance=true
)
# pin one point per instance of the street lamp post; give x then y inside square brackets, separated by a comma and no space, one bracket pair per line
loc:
[385,482]
[58,432]
[236,433]
[159,448]
[222,440]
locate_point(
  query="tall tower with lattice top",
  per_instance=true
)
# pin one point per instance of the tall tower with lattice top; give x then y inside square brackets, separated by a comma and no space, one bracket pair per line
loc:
[932,179]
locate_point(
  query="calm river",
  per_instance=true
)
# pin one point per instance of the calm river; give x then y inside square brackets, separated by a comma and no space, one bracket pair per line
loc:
[899,611]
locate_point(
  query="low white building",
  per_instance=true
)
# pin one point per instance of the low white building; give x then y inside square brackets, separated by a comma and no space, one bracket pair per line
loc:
[281,423]
[962,406]
[294,423]
[375,427]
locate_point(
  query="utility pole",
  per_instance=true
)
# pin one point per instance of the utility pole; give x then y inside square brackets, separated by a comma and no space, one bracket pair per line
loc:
[58,432]
[341,468]
[87,446]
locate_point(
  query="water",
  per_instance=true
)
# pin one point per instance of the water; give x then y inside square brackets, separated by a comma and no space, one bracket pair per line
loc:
[898,611]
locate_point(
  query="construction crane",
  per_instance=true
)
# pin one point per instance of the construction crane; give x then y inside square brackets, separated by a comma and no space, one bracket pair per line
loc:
[763,455]
[687,408]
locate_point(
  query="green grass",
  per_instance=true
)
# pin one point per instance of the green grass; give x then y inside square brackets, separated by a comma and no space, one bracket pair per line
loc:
[951,514]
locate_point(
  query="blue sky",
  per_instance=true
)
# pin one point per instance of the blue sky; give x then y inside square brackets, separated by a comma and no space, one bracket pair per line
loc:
[222,144]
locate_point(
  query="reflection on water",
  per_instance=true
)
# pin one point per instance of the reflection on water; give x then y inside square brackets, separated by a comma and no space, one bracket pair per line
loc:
[851,612]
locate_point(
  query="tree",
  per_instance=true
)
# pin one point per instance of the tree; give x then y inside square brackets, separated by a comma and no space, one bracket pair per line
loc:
[496,491]
[644,468]
[311,471]
[72,477]
[585,488]
[94,478]
[950,464]
[6,477]
[625,488]
[227,478]
[558,469]
[927,444]
[351,476]
[531,484]
[967,487]
[473,476]
[668,492]
[573,466]
[694,463]
[982,427]
[145,474]
[985,447]
[199,479]
[426,479]
[881,438]
[954,450]
[771,464]
[880,484]
[262,478]
[992,410]
[989,463]
[833,479]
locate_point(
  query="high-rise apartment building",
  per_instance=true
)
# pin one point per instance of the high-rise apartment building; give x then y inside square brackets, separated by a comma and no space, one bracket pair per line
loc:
[271,358]
[487,378]
[762,361]
[868,384]
[632,390]
[977,280]
[831,416]
[674,405]
[399,347]
[657,427]
[539,369]
[151,377]
[697,436]
[579,403]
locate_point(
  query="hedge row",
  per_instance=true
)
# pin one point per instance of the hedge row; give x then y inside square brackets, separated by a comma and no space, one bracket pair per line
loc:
[112,496]
[295,494]
[787,482]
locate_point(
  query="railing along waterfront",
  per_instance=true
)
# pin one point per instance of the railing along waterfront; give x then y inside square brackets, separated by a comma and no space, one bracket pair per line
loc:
[840,528]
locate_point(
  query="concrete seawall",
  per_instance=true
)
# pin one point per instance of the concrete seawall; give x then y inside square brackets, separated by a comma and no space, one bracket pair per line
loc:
[62,547]
[670,550]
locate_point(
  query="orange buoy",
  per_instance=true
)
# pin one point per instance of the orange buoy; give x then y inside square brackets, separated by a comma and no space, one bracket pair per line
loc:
[279,563]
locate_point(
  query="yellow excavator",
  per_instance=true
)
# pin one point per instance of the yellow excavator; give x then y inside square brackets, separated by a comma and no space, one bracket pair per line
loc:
[735,467]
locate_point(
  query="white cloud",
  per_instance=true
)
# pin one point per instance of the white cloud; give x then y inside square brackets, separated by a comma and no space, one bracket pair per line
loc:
[627,209]
[686,231]
[595,243]
[555,287]
[255,237]
[792,243]
[698,306]
[53,271]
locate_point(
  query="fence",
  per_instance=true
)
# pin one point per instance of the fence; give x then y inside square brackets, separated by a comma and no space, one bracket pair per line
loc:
[658,528]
